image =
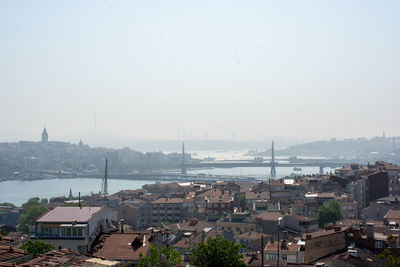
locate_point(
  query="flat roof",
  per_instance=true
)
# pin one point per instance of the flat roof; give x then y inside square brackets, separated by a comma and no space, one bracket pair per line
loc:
[70,214]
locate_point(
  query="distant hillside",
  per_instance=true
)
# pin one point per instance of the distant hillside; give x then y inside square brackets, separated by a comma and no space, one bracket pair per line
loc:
[378,148]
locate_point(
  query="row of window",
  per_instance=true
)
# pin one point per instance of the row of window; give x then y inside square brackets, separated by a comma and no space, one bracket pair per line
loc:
[63,231]
[166,205]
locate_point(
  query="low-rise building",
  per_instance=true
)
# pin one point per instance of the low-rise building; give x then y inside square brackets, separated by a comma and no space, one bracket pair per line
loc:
[267,222]
[323,243]
[289,252]
[166,210]
[75,228]
[251,239]
[299,224]
[219,206]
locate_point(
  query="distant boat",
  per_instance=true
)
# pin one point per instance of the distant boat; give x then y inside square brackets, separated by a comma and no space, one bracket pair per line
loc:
[297,169]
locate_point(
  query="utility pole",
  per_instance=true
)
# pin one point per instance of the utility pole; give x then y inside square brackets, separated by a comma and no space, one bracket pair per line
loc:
[279,229]
[262,250]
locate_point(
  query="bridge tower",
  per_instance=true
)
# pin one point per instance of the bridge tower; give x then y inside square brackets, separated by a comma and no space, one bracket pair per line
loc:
[321,169]
[104,183]
[183,170]
[273,171]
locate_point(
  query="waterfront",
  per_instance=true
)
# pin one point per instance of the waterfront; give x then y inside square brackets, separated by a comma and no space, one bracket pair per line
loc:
[19,191]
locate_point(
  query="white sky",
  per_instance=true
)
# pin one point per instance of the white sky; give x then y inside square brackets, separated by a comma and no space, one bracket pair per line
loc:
[200,69]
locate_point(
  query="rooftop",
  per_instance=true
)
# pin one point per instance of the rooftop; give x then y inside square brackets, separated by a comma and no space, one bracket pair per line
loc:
[283,245]
[269,216]
[125,246]
[165,200]
[69,214]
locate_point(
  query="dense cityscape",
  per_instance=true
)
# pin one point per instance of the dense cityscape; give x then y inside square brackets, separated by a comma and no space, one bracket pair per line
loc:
[345,217]
[170,133]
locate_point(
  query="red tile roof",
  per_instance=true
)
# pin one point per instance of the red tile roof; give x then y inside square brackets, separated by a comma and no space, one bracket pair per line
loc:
[165,200]
[8,253]
[126,246]
[269,216]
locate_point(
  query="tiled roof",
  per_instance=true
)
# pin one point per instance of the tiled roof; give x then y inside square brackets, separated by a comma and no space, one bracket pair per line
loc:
[125,246]
[392,215]
[165,200]
[224,199]
[252,235]
[213,193]
[250,195]
[289,246]
[69,214]
[322,233]
[8,253]
[4,240]
[269,216]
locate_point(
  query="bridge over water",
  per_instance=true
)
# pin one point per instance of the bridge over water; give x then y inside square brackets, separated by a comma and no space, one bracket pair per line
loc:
[276,164]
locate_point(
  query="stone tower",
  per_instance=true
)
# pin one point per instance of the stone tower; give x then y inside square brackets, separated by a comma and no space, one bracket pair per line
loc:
[45,136]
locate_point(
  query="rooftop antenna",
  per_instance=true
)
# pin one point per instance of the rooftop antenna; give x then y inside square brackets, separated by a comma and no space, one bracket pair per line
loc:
[104,183]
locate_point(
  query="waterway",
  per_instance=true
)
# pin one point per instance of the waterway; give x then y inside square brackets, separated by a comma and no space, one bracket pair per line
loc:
[18,191]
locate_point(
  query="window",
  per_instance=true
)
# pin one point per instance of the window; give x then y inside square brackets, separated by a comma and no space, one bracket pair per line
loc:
[378,244]
[49,231]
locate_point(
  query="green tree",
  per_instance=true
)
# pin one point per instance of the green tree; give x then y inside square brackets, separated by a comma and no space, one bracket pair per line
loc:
[157,259]
[391,260]
[32,210]
[37,247]
[328,213]
[242,201]
[7,204]
[217,252]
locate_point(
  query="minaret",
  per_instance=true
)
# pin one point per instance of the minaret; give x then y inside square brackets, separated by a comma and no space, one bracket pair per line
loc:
[183,171]
[45,136]
[273,171]
[104,184]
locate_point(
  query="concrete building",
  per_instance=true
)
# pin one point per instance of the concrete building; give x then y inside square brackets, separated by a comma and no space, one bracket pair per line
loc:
[267,222]
[299,224]
[75,227]
[323,243]
[166,210]
[289,252]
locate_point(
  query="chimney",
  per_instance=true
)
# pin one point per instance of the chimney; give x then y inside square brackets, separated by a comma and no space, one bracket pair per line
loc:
[370,230]
[122,225]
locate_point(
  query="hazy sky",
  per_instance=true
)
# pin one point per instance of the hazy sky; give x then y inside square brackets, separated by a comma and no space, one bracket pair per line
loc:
[201,69]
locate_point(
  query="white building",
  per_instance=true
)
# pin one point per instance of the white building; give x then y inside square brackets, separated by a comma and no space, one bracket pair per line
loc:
[75,227]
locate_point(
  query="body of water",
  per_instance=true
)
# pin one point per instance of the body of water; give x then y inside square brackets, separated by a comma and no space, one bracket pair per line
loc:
[18,192]
[260,172]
